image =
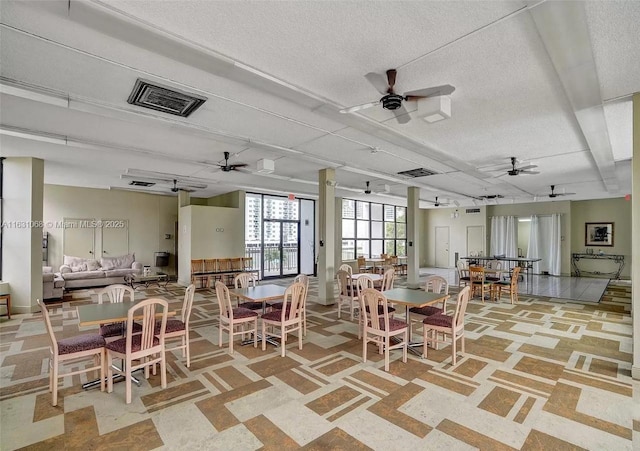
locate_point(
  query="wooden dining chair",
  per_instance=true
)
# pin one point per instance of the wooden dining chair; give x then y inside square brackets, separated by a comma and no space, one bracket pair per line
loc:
[179,328]
[495,268]
[114,294]
[511,286]
[379,328]
[198,272]
[388,276]
[362,265]
[147,348]
[452,325]
[478,281]
[246,280]
[362,283]
[433,284]
[347,295]
[72,350]
[210,271]
[231,319]
[304,279]
[280,323]
[347,268]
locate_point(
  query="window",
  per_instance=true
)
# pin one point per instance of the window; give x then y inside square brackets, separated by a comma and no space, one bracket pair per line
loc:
[370,229]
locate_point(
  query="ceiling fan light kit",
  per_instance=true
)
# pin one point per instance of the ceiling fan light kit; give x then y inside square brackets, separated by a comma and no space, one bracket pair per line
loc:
[434,109]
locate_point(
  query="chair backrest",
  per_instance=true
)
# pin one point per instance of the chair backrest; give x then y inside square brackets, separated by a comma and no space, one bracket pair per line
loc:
[187,303]
[304,280]
[514,278]
[494,264]
[197,266]
[363,282]
[244,280]
[462,268]
[150,308]
[370,300]
[394,259]
[362,261]
[116,293]
[47,324]
[347,268]
[476,274]
[210,264]
[247,263]
[387,278]
[345,285]
[293,301]
[236,264]
[461,308]
[224,264]
[224,300]
[436,284]
[384,256]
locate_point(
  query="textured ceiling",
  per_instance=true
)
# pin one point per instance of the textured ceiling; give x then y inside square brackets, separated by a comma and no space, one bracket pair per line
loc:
[276,74]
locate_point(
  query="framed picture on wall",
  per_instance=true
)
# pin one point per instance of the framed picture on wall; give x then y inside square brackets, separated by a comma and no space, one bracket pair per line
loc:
[598,234]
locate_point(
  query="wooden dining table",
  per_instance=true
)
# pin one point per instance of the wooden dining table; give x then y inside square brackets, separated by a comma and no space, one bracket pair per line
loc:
[110,312]
[413,298]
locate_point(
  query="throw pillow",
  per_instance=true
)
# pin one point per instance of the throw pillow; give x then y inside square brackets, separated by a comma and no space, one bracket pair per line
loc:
[79,268]
[93,265]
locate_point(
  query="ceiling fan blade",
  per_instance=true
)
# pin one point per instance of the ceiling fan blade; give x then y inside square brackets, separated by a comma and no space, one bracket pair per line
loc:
[238,165]
[402,115]
[529,166]
[391,78]
[443,90]
[364,106]
[378,82]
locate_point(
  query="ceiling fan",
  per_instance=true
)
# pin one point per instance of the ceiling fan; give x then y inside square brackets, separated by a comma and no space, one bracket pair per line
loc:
[438,203]
[554,194]
[392,101]
[226,167]
[367,189]
[522,169]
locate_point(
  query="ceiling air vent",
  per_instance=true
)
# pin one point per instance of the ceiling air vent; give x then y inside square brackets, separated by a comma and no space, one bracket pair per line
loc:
[420,172]
[472,211]
[139,183]
[162,98]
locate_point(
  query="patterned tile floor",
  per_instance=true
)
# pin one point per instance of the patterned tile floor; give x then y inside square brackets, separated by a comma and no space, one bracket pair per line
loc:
[543,374]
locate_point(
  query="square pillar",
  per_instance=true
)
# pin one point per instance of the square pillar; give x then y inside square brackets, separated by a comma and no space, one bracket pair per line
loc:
[635,242]
[327,219]
[22,200]
[413,237]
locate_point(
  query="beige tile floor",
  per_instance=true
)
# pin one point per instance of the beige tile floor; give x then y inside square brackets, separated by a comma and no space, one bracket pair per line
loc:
[543,374]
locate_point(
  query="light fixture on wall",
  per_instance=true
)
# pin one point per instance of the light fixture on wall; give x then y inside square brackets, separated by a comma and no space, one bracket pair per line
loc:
[434,109]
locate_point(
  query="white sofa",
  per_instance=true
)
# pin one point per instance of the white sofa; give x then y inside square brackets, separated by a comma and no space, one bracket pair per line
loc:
[85,272]
[52,284]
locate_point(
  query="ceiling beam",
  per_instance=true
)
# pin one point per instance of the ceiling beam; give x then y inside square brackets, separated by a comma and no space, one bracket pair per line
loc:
[562,26]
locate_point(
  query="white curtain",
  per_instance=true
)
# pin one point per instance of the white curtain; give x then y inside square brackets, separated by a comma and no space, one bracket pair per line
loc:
[544,242]
[504,236]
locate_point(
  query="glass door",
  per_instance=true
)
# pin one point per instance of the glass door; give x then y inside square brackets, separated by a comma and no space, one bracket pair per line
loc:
[281,248]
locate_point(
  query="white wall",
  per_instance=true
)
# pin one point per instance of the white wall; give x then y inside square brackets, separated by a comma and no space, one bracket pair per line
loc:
[440,217]
[150,217]
[208,232]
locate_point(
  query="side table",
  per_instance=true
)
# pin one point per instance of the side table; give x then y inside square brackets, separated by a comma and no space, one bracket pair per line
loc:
[6,300]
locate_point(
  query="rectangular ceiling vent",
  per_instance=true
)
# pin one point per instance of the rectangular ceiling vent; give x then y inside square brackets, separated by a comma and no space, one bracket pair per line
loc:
[420,172]
[161,98]
[472,211]
[139,183]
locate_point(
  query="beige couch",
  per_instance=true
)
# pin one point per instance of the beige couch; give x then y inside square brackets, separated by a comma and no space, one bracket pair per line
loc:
[85,272]
[52,284]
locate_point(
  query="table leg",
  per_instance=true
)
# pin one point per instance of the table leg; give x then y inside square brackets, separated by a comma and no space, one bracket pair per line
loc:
[96,382]
[412,344]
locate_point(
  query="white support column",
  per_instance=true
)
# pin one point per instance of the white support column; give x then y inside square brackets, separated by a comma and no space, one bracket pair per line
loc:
[635,242]
[337,247]
[184,198]
[327,218]
[23,183]
[413,237]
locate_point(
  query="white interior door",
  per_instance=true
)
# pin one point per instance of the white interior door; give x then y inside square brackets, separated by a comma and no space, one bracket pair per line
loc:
[78,239]
[475,240]
[442,247]
[115,237]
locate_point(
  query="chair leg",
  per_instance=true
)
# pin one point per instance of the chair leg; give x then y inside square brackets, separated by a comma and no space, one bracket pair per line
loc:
[55,381]
[264,336]
[284,340]
[231,336]
[220,334]
[127,381]
[405,347]
[453,348]
[386,353]
[109,364]
[163,369]
[304,319]
[339,306]
[102,356]
[255,332]
[187,348]
[364,347]
[300,337]
[425,341]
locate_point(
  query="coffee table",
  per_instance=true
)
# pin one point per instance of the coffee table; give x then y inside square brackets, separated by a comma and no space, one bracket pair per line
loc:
[146,280]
